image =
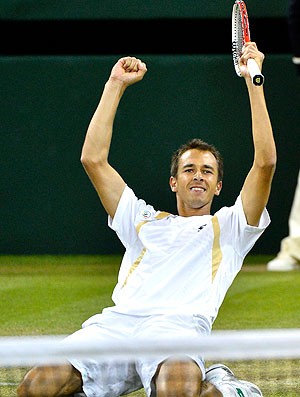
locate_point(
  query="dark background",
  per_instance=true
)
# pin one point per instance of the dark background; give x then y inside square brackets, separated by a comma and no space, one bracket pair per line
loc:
[54,60]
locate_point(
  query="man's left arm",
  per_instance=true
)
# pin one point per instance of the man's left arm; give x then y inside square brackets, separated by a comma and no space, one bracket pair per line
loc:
[257,186]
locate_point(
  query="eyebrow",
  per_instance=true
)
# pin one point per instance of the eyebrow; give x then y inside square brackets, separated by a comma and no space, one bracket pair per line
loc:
[207,166]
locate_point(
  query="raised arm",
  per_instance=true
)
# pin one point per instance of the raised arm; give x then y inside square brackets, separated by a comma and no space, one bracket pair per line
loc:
[94,157]
[257,185]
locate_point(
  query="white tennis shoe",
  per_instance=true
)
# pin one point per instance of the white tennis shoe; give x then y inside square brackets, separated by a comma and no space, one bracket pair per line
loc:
[224,380]
[282,264]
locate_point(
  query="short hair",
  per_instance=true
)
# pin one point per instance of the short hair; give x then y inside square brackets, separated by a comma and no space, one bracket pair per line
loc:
[198,144]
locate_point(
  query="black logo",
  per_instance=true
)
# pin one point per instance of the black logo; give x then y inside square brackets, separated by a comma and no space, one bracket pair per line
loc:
[201,227]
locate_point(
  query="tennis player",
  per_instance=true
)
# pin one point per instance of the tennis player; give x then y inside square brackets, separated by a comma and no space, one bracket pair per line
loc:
[177,268]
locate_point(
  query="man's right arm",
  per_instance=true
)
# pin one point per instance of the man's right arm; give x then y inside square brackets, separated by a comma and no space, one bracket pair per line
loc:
[94,157]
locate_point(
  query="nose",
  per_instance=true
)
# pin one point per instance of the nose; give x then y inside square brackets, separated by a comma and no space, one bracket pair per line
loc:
[198,176]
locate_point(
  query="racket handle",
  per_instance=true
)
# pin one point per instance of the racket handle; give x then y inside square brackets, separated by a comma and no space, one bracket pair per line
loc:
[255,72]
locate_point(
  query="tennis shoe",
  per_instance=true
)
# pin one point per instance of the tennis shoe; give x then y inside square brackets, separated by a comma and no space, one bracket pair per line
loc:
[280,264]
[224,380]
[218,372]
[252,389]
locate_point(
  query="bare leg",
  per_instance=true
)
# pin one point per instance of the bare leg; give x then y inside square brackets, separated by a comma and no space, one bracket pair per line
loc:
[50,381]
[209,390]
[177,378]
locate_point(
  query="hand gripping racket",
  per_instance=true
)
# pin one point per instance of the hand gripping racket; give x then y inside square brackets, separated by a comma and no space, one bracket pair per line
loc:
[240,36]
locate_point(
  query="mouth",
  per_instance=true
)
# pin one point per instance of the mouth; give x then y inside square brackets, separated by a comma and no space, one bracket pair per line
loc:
[198,189]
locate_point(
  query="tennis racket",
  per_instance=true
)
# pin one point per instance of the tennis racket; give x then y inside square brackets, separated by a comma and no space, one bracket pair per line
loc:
[240,36]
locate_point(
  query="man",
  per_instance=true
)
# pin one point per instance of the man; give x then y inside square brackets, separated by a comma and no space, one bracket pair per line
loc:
[288,257]
[177,268]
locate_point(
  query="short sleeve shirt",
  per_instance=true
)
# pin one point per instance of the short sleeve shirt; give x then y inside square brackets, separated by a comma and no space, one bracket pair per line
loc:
[174,264]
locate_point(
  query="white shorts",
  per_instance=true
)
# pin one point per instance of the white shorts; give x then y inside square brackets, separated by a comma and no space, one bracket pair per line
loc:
[113,379]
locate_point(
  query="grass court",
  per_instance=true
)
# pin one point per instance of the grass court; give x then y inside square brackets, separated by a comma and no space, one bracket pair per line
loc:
[53,295]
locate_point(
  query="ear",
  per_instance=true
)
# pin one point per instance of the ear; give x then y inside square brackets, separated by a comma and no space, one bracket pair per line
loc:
[173,184]
[218,188]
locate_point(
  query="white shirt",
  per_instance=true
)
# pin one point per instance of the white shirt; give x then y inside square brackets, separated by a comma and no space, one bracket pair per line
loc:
[174,264]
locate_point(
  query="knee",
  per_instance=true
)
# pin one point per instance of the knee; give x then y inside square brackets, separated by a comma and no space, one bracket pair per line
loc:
[24,389]
[50,381]
[27,386]
[177,390]
[178,379]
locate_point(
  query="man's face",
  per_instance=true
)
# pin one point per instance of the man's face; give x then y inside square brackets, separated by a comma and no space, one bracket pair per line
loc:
[196,183]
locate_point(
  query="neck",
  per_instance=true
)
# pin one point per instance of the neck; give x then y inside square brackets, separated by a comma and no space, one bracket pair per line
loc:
[184,210]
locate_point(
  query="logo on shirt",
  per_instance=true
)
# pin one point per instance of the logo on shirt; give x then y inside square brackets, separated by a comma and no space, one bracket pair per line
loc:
[146,214]
[201,227]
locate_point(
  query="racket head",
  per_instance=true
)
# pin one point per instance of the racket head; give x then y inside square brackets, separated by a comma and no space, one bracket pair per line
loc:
[240,32]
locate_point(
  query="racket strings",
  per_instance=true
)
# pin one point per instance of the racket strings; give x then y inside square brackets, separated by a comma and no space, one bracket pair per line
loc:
[237,38]
[240,36]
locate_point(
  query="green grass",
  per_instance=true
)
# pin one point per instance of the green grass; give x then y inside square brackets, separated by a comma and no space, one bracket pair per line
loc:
[43,295]
[53,294]
[259,299]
